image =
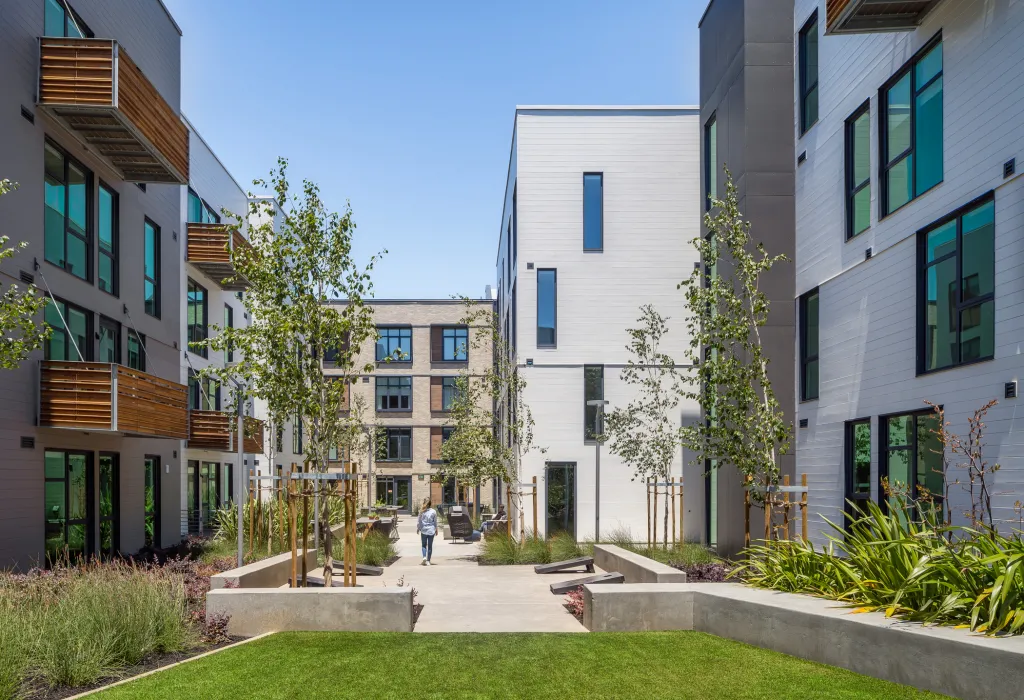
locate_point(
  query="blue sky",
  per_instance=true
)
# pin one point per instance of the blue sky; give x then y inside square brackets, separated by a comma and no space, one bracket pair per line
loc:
[406,108]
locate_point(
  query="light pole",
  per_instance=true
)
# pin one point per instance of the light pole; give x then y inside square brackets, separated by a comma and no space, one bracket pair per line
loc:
[599,404]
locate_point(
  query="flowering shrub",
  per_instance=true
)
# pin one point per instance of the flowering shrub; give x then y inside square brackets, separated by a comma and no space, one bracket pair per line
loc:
[703,572]
[574,602]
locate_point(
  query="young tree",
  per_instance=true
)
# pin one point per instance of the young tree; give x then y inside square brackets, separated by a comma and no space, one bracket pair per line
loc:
[300,258]
[744,424]
[19,309]
[471,454]
[644,433]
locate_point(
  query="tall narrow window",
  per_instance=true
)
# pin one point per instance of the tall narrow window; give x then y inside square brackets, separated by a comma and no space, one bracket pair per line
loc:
[229,322]
[110,503]
[858,171]
[297,447]
[70,339]
[809,345]
[151,496]
[858,467]
[279,442]
[456,343]
[593,390]
[809,73]
[108,222]
[710,162]
[203,395]
[515,226]
[910,122]
[912,459]
[449,392]
[67,195]
[196,318]
[957,303]
[151,271]
[136,350]
[547,308]
[593,211]
[68,503]
[110,340]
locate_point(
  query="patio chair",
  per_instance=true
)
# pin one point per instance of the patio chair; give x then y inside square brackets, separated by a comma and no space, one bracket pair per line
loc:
[460,523]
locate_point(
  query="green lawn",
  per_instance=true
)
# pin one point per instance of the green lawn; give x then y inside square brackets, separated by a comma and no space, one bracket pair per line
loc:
[676,665]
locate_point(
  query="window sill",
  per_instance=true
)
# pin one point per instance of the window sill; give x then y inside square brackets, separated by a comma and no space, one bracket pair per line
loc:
[450,362]
[593,250]
[393,410]
[926,372]
[547,347]
[394,461]
[811,400]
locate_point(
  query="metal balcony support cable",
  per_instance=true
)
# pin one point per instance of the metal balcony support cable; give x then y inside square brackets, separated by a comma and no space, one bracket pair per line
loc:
[202,391]
[71,336]
[138,336]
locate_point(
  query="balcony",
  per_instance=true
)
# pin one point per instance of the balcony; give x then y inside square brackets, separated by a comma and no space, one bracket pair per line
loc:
[99,92]
[861,16]
[102,397]
[209,250]
[215,430]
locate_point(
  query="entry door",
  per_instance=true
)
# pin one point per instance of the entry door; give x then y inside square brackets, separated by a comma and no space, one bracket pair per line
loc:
[68,498]
[110,503]
[561,498]
[858,468]
[395,491]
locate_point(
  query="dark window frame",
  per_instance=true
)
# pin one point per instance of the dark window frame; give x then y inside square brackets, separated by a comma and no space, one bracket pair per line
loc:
[515,225]
[69,14]
[554,304]
[156,310]
[600,247]
[391,383]
[805,89]
[884,164]
[449,390]
[853,188]
[142,349]
[589,436]
[196,332]
[883,456]
[156,512]
[961,306]
[90,212]
[115,233]
[386,433]
[710,169]
[115,517]
[396,327]
[107,322]
[805,358]
[456,329]
[89,543]
[229,322]
[849,460]
[85,348]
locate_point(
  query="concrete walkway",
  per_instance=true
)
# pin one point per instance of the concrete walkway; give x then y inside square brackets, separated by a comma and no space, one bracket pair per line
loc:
[459,595]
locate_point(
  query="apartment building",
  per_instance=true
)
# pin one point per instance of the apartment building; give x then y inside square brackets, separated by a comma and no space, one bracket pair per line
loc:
[422,348]
[600,206]
[90,129]
[909,245]
[212,294]
[746,97]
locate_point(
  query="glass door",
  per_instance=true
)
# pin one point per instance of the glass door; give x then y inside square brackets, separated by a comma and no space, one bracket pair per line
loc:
[68,498]
[858,468]
[209,490]
[561,498]
[110,503]
[395,491]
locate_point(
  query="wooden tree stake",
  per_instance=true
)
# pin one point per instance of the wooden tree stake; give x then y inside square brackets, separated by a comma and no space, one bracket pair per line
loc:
[785,509]
[803,507]
[535,506]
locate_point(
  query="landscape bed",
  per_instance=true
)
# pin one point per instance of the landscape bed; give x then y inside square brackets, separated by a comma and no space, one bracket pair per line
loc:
[678,665]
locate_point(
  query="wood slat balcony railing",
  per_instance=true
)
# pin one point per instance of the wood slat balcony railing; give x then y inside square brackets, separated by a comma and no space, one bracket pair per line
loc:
[99,91]
[215,430]
[209,249]
[98,396]
[860,16]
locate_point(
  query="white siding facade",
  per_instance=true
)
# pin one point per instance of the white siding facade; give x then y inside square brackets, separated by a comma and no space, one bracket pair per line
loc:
[869,307]
[649,158]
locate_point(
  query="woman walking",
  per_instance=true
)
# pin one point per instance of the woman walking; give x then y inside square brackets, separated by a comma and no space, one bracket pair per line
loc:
[426,526]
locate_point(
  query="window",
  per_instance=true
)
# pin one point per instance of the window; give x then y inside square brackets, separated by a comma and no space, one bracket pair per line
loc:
[229,322]
[394,445]
[71,339]
[394,393]
[449,392]
[151,273]
[515,226]
[110,340]
[196,318]
[593,390]
[68,496]
[809,345]
[456,344]
[280,439]
[110,503]
[710,161]
[199,212]
[151,494]
[593,211]
[910,123]
[61,20]
[858,467]
[394,343]
[136,351]
[547,308]
[446,433]
[108,222]
[809,73]
[203,395]
[68,198]
[297,447]
[956,311]
[912,458]
[858,171]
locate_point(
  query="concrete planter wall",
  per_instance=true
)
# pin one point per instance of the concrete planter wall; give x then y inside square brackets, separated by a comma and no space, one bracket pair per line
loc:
[266,573]
[634,567]
[941,659]
[257,610]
